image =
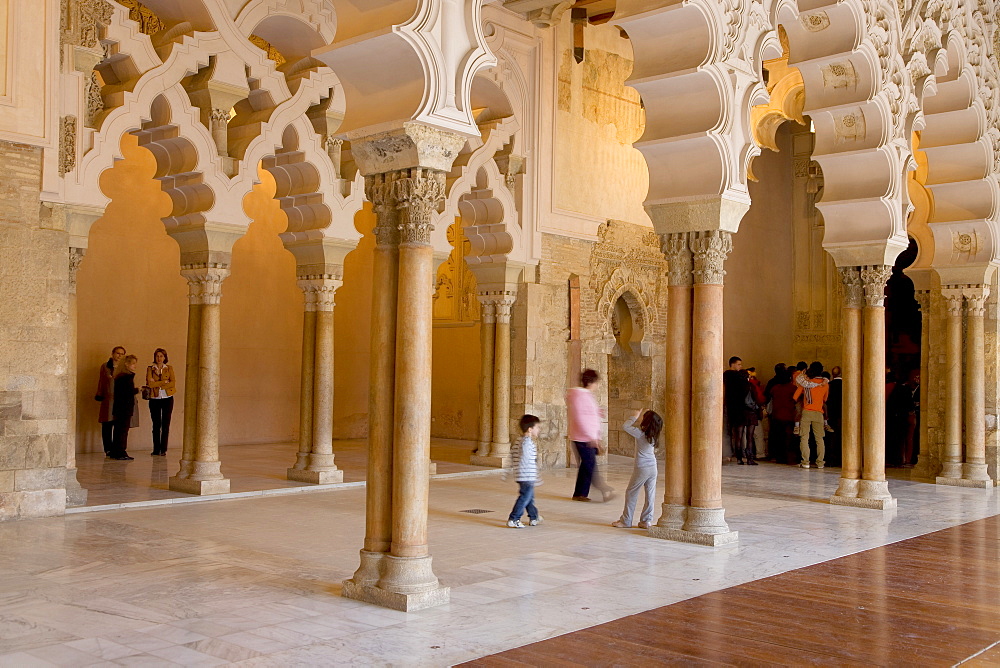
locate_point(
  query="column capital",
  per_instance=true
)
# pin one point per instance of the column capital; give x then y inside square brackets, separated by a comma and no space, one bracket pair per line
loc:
[710,250]
[204,282]
[953,298]
[379,191]
[923,298]
[679,259]
[417,192]
[975,299]
[487,312]
[319,291]
[874,277]
[854,292]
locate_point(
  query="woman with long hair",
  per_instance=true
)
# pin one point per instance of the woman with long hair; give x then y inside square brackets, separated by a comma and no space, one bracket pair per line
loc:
[124,406]
[644,471]
[162,383]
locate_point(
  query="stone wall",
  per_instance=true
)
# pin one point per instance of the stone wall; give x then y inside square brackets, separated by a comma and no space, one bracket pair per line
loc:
[625,260]
[34,270]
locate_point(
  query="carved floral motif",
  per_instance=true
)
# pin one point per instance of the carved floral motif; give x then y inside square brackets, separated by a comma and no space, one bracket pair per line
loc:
[67,144]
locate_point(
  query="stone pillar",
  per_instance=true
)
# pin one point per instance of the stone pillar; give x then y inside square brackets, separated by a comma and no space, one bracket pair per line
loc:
[407,577]
[974,472]
[319,467]
[951,459]
[704,521]
[486,329]
[306,381]
[381,392]
[923,466]
[75,494]
[677,405]
[850,431]
[873,489]
[501,383]
[200,471]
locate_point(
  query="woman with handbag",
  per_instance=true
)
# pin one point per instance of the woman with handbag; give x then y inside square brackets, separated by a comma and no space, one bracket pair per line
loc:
[159,389]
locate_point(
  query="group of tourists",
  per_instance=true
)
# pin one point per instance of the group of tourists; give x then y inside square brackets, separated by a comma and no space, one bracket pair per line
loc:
[119,399]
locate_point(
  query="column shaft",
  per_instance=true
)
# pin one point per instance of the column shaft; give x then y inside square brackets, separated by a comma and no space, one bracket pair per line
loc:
[206,465]
[322,446]
[923,467]
[873,488]
[501,383]
[851,408]
[191,388]
[75,494]
[306,384]
[486,347]
[413,400]
[952,455]
[975,386]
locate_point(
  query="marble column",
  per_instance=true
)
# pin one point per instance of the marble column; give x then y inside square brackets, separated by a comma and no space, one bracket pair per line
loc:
[500,448]
[924,460]
[704,521]
[850,431]
[319,467]
[873,489]
[406,575]
[75,494]
[951,459]
[381,391]
[200,471]
[487,321]
[306,380]
[974,472]
[677,405]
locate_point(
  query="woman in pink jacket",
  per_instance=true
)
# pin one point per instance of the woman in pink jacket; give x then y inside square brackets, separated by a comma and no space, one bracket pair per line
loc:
[585,418]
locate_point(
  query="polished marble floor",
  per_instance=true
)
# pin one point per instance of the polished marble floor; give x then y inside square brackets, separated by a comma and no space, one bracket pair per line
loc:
[256,581]
[249,467]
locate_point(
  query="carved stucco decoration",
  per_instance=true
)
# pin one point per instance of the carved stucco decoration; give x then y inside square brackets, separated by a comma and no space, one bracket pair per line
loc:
[149,22]
[67,144]
[815,21]
[850,125]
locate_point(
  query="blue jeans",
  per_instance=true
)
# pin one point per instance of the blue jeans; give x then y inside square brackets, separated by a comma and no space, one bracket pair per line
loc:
[525,500]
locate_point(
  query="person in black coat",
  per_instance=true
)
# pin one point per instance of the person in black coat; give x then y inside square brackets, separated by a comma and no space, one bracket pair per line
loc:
[124,407]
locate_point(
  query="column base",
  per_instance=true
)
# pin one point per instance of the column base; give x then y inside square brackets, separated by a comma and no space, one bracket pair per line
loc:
[491,460]
[696,537]
[962,482]
[368,571]
[858,502]
[199,487]
[976,472]
[705,520]
[672,516]
[395,601]
[316,477]
[75,494]
[848,489]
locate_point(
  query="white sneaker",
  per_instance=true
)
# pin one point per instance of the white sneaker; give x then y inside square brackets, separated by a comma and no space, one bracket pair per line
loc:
[515,524]
[536,522]
[805,466]
[819,466]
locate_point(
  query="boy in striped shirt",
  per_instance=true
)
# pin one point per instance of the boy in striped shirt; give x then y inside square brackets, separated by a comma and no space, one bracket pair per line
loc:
[525,464]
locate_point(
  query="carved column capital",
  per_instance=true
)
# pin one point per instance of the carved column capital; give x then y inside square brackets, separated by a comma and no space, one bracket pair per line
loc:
[854,292]
[953,299]
[923,298]
[319,291]
[379,191]
[498,304]
[710,250]
[220,115]
[975,299]
[874,277]
[417,192]
[679,259]
[75,259]
[487,311]
[204,282]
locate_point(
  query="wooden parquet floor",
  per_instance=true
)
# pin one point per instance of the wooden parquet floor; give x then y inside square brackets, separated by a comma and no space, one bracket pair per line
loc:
[928,601]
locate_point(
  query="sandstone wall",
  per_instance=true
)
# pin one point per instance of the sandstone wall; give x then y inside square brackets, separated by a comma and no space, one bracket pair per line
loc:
[34,335]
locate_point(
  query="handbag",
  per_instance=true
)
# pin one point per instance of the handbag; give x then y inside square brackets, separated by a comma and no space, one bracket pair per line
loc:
[147,392]
[750,402]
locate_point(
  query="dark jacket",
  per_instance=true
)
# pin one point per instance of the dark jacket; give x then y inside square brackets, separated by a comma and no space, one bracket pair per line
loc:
[105,391]
[124,400]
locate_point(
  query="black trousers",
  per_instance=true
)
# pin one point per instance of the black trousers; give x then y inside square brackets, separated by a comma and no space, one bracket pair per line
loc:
[585,474]
[108,436]
[159,412]
[120,447]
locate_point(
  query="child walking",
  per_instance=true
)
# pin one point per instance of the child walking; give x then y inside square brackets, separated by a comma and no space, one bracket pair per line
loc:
[644,471]
[525,463]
